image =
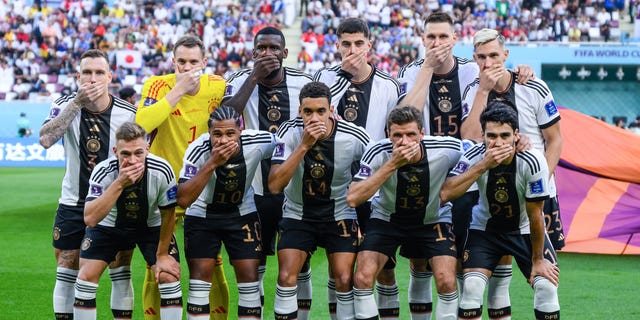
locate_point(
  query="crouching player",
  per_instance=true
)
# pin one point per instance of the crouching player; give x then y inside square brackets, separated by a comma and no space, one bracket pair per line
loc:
[508,218]
[215,186]
[131,202]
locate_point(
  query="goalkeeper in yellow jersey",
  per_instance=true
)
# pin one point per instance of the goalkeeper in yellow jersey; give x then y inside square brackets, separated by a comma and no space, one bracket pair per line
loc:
[174,109]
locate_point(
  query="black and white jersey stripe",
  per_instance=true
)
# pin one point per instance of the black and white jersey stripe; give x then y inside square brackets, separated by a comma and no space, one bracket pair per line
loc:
[238,171]
[424,177]
[89,139]
[160,186]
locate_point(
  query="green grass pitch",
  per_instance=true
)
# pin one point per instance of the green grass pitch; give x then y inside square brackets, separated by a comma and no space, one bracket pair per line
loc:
[592,286]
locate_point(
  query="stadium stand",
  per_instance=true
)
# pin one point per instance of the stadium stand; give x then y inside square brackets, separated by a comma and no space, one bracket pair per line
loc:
[40,41]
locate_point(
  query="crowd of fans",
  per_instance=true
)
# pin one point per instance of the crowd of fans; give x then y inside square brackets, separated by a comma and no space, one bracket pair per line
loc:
[396,24]
[41,43]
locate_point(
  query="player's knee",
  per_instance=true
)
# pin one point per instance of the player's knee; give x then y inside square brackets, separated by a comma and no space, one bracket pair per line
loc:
[474,285]
[545,295]
[166,277]
[344,281]
[287,278]
[386,277]
[363,279]
[445,281]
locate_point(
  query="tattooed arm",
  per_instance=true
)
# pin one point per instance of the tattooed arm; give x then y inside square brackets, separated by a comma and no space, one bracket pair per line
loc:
[53,130]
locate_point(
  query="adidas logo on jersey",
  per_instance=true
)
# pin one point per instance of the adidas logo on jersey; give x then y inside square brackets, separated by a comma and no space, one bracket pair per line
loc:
[220,309]
[443,89]
[177,113]
[274,99]
[150,311]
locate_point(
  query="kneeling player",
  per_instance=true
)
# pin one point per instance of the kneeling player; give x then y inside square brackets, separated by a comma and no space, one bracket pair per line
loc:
[131,202]
[215,185]
[508,219]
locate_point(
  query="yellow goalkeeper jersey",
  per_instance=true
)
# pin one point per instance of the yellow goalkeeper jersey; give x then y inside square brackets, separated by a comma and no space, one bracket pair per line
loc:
[171,130]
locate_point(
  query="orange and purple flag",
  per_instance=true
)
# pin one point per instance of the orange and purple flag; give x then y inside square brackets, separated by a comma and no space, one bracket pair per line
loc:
[598,180]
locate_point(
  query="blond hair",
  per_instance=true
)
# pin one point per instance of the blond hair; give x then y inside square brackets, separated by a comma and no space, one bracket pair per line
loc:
[487,35]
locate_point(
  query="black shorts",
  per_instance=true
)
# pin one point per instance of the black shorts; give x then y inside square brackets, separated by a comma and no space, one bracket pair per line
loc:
[68,227]
[203,237]
[416,242]
[269,208]
[484,250]
[335,236]
[553,223]
[461,217]
[103,243]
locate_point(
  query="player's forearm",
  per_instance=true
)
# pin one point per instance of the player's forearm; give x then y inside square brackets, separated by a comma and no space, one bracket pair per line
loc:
[361,191]
[166,230]
[537,229]
[470,128]
[455,186]
[553,147]
[152,116]
[190,190]
[281,174]
[98,209]
[239,100]
[53,130]
[417,96]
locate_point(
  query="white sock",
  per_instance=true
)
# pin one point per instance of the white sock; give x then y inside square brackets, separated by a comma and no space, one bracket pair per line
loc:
[63,292]
[364,304]
[344,306]
[471,302]
[420,300]
[545,299]
[121,292]
[285,305]
[84,307]
[447,308]
[249,300]
[305,294]
[388,301]
[198,300]
[331,298]
[170,300]
[498,302]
